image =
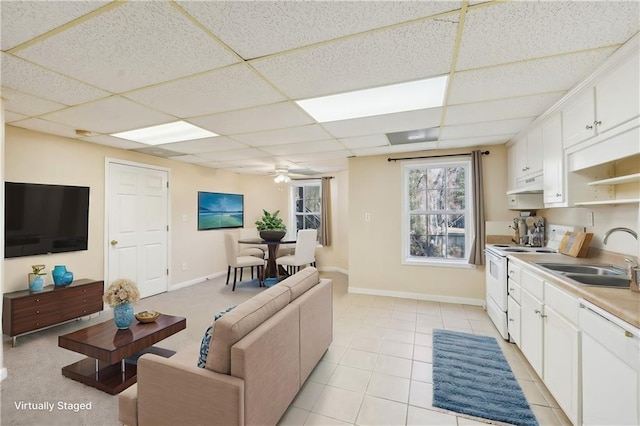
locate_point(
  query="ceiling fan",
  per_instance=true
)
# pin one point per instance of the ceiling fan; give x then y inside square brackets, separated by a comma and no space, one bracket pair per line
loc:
[283,174]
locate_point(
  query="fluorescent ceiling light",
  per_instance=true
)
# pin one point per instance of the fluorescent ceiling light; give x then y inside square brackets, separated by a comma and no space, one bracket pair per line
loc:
[166,133]
[380,100]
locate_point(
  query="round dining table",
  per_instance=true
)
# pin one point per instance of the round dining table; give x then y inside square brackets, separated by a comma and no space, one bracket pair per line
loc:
[271,271]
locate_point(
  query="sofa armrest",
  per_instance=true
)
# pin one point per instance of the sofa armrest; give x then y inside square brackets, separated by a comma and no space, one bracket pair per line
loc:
[171,393]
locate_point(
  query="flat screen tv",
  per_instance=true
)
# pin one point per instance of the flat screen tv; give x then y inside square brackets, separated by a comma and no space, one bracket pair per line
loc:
[217,210]
[42,219]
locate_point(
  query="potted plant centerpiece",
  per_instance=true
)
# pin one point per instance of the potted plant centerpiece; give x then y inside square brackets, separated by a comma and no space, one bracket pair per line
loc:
[120,294]
[271,227]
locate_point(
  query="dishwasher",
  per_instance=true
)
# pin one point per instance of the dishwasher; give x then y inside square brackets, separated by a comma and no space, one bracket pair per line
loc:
[610,368]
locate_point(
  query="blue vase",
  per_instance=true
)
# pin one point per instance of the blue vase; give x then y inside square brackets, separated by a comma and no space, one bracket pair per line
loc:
[67,278]
[58,274]
[123,315]
[36,283]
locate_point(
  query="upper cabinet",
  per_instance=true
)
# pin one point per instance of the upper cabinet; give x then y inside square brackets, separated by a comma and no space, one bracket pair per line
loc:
[553,161]
[611,102]
[525,162]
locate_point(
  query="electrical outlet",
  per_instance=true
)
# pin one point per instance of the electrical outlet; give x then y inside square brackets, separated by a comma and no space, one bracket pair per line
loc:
[184,266]
[367,217]
[590,219]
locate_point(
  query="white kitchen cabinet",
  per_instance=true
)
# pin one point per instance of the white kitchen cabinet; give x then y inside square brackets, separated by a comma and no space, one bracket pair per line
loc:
[553,170]
[562,358]
[531,330]
[525,161]
[618,95]
[578,119]
[610,369]
[513,317]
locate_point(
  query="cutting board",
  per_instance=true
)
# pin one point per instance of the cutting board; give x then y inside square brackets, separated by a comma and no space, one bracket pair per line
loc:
[575,244]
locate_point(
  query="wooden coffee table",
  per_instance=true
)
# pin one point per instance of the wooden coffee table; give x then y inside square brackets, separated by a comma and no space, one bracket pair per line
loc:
[111,366]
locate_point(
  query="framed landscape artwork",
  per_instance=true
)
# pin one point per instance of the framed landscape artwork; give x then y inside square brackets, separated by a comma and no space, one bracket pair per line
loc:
[218,210]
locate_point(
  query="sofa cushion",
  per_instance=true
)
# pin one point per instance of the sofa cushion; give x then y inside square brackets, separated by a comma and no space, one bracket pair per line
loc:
[206,340]
[300,282]
[241,321]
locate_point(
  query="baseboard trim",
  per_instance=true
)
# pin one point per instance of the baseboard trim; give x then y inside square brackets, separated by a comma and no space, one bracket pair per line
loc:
[196,281]
[334,269]
[3,373]
[418,296]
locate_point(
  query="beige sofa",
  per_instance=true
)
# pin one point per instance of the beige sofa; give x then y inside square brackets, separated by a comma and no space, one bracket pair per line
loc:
[260,354]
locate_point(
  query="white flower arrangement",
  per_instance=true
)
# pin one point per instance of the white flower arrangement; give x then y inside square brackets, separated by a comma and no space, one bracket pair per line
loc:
[121,291]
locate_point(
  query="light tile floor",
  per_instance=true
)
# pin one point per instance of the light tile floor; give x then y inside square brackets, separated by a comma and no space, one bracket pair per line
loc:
[378,370]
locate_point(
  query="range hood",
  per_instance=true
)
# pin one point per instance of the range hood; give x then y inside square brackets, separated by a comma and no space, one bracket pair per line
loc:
[528,185]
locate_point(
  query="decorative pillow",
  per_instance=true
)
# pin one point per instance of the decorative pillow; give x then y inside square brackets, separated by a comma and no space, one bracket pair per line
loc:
[206,340]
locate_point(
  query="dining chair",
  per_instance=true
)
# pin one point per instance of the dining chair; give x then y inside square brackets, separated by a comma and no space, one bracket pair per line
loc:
[305,251]
[257,250]
[235,261]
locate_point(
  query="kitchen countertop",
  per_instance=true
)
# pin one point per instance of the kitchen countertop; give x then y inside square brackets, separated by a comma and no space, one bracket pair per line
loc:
[621,302]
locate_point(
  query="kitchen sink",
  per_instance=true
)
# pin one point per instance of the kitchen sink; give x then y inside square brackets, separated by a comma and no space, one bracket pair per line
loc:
[592,275]
[583,269]
[601,280]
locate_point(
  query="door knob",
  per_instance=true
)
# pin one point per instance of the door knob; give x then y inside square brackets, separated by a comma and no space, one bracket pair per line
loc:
[114,242]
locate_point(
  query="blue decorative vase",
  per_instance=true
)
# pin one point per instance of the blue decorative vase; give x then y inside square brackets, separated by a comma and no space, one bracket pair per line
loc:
[123,315]
[36,282]
[58,274]
[67,278]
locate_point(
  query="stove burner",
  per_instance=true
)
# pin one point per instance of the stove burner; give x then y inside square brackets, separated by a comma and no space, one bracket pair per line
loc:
[501,245]
[544,251]
[516,250]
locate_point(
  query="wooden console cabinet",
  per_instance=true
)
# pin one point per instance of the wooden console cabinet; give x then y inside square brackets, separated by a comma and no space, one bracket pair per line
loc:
[26,311]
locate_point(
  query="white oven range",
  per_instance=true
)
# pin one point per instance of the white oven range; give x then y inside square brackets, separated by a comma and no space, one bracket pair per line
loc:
[497,273]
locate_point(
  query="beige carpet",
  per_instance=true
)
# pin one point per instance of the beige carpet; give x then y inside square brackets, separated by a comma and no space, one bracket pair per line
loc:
[34,366]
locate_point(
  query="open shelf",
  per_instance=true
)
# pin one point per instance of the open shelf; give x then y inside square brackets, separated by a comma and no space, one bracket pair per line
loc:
[609,202]
[617,180]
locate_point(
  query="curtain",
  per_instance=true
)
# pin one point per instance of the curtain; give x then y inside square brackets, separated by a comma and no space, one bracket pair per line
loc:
[475,253]
[325,212]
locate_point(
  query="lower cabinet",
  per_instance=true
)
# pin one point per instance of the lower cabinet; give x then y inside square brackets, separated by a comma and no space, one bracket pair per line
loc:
[562,363]
[513,316]
[531,330]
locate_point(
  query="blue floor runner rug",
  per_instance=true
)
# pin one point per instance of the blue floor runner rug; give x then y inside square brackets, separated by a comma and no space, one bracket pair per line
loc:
[471,376]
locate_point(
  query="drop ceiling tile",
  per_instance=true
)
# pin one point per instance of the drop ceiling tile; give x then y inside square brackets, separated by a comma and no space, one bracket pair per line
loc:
[478,141]
[10,116]
[255,29]
[240,154]
[44,126]
[24,20]
[266,117]
[215,165]
[109,115]
[157,151]
[263,162]
[23,103]
[29,78]
[204,145]
[304,147]
[525,78]
[485,129]
[396,149]
[397,122]
[368,141]
[394,55]
[283,136]
[514,31]
[501,109]
[315,156]
[328,166]
[133,45]
[114,142]
[230,88]
[189,159]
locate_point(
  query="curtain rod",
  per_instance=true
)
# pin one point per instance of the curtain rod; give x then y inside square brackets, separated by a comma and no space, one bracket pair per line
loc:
[435,156]
[318,178]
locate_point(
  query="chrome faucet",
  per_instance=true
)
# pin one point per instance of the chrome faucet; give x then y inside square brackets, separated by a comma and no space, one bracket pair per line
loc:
[612,230]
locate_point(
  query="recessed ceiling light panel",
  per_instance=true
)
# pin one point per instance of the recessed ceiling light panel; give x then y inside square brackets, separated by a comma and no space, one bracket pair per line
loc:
[178,131]
[401,97]
[413,136]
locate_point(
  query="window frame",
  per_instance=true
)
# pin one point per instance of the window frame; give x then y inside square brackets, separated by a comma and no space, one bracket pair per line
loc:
[406,168]
[292,202]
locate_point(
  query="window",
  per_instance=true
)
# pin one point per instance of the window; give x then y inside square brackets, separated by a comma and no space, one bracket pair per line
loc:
[437,216]
[306,202]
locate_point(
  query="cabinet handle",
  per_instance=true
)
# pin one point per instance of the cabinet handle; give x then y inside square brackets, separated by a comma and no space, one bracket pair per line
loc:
[588,127]
[37,312]
[597,122]
[537,311]
[558,194]
[511,271]
[543,316]
[511,319]
[628,333]
[511,289]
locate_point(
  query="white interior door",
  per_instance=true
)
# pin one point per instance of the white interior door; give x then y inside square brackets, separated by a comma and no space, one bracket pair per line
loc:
[137,226]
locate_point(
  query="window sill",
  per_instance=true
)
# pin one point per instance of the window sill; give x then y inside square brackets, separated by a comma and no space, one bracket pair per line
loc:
[461,265]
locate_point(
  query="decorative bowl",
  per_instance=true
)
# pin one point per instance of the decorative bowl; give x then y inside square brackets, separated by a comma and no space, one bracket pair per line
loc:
[272,235]
[147,316]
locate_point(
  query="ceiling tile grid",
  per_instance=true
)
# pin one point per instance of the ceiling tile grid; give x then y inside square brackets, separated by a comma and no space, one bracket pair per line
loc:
[236,68]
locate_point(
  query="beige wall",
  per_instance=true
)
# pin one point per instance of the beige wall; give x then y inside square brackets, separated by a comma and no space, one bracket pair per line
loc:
[66,161]
[375,245]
